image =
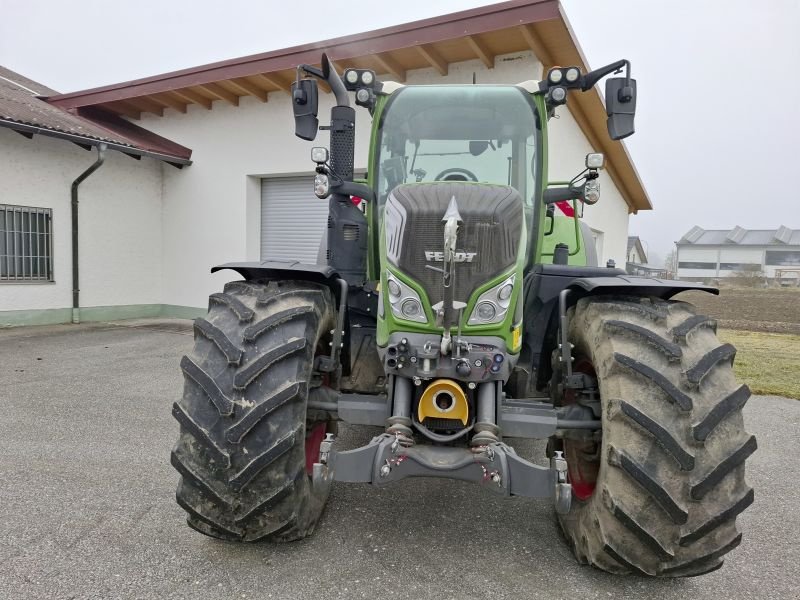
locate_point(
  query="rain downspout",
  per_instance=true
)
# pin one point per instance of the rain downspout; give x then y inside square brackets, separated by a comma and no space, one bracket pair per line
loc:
[76,293]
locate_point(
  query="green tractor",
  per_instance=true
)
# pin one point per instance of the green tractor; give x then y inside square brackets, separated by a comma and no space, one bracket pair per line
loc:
[454,309]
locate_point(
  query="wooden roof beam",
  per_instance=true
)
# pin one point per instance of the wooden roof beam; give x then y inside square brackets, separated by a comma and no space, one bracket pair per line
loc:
[250,88]
[144,104]
[220,92]
[390,65]
[192,97]
[121,108]
[433,57]
[481,51]
[273,80]
[169,102]
[535,44]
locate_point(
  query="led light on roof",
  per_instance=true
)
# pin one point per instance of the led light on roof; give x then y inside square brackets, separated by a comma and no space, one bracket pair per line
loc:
[362,95]
[555,76]
[572,74]
[351,76]
[367,77]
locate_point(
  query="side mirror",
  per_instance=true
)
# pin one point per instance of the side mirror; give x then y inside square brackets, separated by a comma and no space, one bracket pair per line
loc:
[620,106]
[305,101]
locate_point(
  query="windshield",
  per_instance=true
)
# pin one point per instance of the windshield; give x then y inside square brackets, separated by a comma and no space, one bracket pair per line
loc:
[458,133]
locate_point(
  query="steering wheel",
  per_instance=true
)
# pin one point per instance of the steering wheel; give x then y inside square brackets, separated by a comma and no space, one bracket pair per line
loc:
[456,174]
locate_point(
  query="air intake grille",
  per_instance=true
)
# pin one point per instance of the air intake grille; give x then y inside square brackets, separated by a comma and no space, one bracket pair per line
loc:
[488,238]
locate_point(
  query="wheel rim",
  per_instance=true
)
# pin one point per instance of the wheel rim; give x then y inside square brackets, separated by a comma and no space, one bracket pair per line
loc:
[582,470]
[314,440]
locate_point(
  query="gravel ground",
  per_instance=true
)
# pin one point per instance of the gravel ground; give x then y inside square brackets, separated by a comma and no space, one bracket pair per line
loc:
[87,507]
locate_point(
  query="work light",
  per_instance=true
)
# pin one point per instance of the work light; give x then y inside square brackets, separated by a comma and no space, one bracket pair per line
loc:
[572,74]
[595,160]
[319,155]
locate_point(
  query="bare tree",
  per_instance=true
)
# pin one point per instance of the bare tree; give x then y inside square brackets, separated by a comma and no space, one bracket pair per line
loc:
[671,264]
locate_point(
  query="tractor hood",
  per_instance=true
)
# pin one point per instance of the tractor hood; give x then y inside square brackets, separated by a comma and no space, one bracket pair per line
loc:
[490,229]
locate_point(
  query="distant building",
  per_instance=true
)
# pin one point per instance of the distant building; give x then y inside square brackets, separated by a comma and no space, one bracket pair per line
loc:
[636,260]
[712,254]
[636,253]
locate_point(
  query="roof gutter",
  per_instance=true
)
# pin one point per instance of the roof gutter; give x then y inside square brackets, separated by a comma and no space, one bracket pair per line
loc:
[175,161]
[76,292]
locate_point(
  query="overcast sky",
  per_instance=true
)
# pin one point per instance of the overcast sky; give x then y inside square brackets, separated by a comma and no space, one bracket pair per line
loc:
[719,81]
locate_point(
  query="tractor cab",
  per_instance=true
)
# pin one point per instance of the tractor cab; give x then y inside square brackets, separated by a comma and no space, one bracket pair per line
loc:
[479,134]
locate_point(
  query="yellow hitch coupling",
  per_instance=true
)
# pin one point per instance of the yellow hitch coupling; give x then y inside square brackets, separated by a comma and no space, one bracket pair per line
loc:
[443,399]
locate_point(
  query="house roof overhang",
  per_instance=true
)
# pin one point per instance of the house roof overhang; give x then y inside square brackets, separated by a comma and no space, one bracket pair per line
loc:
[481,33]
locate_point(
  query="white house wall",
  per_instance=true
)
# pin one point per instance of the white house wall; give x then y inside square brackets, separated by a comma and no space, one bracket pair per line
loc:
[567,158]
[120,223]
[211,209]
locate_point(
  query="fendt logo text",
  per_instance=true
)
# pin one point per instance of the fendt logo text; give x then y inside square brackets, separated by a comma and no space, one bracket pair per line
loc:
[431,256]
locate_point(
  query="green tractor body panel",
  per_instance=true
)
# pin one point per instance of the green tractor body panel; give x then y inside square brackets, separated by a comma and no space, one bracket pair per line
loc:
[523,164]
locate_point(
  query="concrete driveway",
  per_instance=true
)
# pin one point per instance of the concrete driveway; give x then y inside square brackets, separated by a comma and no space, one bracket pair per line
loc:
[87,507]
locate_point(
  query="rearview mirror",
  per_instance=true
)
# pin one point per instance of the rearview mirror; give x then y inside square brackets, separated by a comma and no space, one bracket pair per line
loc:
[305,100]
[620,106]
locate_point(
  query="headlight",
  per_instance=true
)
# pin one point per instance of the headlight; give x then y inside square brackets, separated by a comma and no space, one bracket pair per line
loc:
[492,305]
[367,77]
[486,311]
[394,288]
[411,309]
[591,191]
[321,185]
[555,75]
[405,302]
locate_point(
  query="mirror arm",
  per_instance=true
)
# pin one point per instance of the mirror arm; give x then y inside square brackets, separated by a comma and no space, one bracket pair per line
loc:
[560,194]
[309,70]
[349,188]
[333,79]
[328,74]
[591,78]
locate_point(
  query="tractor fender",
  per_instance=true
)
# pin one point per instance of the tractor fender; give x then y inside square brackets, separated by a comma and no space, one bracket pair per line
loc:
[542,288]
[633,286]
[283,270]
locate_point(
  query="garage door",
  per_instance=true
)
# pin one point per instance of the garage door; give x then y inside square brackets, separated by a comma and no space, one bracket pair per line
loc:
[293,219]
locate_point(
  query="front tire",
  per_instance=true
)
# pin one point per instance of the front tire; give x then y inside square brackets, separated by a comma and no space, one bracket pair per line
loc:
[662,494]
[244,434]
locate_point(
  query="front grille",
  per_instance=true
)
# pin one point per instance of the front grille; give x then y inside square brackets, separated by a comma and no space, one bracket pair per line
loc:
[491,229]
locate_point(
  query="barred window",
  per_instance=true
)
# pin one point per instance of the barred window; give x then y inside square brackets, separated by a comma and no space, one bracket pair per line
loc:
[26,243]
